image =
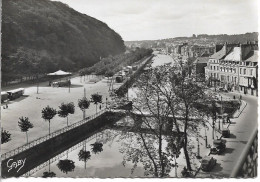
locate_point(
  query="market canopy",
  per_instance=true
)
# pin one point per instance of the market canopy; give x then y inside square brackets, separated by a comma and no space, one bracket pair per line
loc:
[60,72]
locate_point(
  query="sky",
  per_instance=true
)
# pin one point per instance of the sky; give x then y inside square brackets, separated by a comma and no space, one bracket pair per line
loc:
[159,19]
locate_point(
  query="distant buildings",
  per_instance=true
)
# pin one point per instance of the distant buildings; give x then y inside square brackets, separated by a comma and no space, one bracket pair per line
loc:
[234,67]
[192,50]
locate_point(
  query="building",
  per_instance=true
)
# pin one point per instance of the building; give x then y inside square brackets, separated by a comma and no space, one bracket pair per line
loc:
[199,68]
[234,67]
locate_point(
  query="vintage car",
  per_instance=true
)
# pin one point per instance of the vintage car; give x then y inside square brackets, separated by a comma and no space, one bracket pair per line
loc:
[225,132]
[208,163]
[219,146]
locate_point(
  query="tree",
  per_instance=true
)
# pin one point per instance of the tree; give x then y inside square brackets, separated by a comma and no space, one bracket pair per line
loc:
[25,125]
[47,114]
[65,110]
[83,105]
[96,98]
[97,147]
[5,136]
[169,96]
[84,155]
[66,165]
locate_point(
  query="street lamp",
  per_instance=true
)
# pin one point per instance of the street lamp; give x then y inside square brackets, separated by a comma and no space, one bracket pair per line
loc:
[206,139]
[198,148]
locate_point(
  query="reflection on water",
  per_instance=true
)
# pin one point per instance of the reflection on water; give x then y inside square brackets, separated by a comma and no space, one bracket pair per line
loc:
[100,161]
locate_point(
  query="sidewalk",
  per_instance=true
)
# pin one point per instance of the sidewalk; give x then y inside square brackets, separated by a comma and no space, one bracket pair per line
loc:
[242,125]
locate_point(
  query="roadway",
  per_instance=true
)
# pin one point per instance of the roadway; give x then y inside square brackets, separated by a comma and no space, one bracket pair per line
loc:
[241,130]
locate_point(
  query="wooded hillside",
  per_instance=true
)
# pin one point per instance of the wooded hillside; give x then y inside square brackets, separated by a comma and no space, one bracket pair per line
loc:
[43,36]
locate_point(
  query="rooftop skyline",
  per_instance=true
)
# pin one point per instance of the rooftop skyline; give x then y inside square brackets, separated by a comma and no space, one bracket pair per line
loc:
[152,19]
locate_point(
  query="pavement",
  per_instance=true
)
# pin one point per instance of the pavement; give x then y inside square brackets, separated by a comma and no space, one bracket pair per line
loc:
[31,104]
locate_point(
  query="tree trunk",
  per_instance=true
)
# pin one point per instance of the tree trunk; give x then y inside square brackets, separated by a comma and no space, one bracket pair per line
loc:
[49,166]
[27,137]
[187,158]
[49,127]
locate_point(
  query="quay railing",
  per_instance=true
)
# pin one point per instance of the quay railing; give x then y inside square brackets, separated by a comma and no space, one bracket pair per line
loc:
[246,167]
[49,136]
[57,157]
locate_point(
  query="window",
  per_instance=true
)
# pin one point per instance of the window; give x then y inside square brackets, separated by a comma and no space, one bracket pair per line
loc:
[214,67]
[234,70]
[240,70]
[251,72]
[244,71]
[211,67]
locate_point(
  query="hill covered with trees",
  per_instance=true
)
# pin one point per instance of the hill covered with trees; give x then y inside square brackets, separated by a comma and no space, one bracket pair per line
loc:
[43,36]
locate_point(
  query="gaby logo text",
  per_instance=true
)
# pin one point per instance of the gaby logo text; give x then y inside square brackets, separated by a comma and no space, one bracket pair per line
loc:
[11,164]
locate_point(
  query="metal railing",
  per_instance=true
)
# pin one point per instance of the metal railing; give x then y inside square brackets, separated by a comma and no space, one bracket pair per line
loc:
[246,167]
[57,157]
[49,136]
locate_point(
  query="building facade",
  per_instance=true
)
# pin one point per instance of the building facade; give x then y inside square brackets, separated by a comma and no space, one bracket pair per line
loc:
[234,67]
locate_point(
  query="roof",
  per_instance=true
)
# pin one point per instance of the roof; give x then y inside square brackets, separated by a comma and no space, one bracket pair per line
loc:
[15,90]
[253,57]
[201,60]
[60,72]
[234,55]
[220,54]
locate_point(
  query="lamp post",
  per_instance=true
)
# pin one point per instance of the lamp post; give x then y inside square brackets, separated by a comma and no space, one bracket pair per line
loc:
[37,83]
[206,139]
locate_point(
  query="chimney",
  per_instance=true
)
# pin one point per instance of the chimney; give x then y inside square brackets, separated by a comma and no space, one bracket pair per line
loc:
[241,51]
[225,48]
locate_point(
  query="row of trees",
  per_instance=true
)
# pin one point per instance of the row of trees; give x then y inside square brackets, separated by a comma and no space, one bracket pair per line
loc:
[68,165]
[48,113]
[110,65]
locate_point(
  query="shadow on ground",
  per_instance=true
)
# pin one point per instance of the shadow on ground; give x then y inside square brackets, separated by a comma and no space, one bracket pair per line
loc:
[229,150]
[232,135]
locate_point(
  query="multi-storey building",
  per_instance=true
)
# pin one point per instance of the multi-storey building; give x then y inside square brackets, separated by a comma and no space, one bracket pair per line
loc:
[234,67]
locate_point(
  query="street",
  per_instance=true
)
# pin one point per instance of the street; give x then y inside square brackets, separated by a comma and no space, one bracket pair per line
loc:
[241,130]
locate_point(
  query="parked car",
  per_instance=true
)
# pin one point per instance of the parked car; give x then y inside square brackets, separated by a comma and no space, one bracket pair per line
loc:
[219,146]
[221,89]
[225,132]
[208,163]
